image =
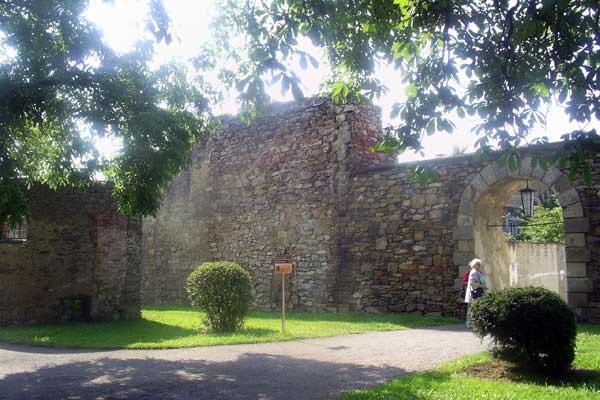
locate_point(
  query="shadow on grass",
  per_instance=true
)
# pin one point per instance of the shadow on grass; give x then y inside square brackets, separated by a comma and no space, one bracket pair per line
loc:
[501,370]
[249,376]
[590,329]
[95,336]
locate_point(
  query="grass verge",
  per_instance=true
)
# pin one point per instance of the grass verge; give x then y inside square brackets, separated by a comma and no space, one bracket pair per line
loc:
[480,377]
[172,327]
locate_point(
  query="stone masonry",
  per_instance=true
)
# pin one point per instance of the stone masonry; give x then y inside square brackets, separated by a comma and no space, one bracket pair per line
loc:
[301,182]
[81,260]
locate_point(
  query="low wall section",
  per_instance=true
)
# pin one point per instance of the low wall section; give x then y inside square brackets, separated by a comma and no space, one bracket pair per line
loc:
[81,260]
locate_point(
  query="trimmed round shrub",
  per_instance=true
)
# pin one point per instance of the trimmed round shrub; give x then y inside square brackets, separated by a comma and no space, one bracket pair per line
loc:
[223,291]
[531,326]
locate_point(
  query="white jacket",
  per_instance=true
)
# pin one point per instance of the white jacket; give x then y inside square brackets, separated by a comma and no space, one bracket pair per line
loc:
[474,283]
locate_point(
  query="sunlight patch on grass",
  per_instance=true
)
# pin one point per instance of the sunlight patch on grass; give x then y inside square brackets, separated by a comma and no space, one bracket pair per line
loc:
[172,327]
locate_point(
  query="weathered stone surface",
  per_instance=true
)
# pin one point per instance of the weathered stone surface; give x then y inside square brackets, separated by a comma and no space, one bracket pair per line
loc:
[575,225]
[579,285]
[81,260]
[302,182]
[578,299]
[573,211]
[577,254]
[525,167]
[575,240]
[576,270]
[463,233]
[381,244]
[568,197]
[551,175]
[489,175]
[275,188]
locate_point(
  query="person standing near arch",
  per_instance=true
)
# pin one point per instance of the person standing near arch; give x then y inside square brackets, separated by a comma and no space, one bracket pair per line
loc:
[476,286]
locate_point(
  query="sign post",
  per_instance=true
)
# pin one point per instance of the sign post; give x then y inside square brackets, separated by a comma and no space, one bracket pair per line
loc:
[283,267]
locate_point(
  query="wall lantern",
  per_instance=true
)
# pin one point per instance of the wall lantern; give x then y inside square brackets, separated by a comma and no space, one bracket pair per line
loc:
[527,200]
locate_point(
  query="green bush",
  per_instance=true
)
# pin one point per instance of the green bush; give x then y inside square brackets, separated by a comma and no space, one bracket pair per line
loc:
[223,291]
[532,326]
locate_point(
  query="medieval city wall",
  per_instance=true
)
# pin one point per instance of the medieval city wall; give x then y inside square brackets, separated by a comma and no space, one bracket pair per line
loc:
[301,182]
[81,260]
[257,192]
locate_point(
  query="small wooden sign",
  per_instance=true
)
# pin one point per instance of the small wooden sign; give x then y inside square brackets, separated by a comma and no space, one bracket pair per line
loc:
[284,266]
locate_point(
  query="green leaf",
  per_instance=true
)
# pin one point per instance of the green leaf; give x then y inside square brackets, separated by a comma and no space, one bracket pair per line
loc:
[411,90]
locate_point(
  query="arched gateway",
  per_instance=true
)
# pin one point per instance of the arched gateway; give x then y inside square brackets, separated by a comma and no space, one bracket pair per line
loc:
[478,234]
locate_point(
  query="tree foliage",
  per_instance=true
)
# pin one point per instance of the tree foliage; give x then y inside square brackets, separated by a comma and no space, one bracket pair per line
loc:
[500,61]
[545,226]
[61,86]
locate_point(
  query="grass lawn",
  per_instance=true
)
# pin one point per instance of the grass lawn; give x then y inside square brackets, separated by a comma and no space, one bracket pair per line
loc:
[170,327]
[479,377]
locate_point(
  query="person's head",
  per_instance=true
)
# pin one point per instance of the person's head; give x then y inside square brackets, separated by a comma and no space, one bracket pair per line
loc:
[475,263]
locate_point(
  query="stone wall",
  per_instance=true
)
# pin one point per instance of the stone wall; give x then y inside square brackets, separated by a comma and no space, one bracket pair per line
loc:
[301,182]
[401,239]
[257,192]
[81,260]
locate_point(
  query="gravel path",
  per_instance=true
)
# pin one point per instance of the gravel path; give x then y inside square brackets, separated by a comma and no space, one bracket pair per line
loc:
[302,369]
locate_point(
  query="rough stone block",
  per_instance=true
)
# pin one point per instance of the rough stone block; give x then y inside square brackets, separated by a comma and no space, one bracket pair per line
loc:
[435,214]
[501,172]
[466,205]
[462,257]
[464,220]
[575,240]
[479,184]
[462,233]
[458,283]
[568,197]
[489,175]
[525,167]
[575,225]
[538,172]
[417,201]
[578,299]
[562,184]
[579,285]
[576,270]
[381,244]
[465,245]
[573,211]
[577,254]
[551,176]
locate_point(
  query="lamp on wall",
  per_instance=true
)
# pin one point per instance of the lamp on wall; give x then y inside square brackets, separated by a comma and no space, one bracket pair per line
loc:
[527,200]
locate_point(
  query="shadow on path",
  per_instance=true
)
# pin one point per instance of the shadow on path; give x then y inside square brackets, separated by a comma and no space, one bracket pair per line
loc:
[251,376]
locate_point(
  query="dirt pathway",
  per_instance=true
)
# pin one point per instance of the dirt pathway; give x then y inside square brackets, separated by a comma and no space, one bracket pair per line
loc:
[297,370]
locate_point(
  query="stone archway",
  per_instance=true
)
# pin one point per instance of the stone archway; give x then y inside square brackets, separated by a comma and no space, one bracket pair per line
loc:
[482,200]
